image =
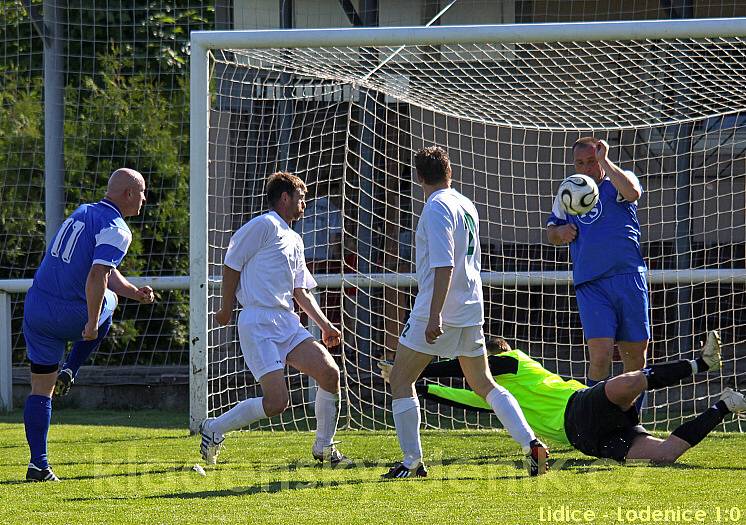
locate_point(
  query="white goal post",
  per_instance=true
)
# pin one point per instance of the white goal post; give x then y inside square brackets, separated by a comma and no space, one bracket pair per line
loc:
[346,108]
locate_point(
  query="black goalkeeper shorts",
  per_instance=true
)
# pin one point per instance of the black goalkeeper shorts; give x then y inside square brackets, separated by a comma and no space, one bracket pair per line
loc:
[597,427]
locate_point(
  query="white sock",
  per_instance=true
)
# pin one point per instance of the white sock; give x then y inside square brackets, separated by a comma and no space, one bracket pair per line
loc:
[241,415]
[695,366]
[407,420]
[511,416]
[327,415]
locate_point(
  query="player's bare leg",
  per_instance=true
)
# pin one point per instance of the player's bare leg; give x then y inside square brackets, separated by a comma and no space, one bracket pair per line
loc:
[507,410]
[624,389]
[408,365]
[600,352]
[653,449]
[275,396]
[633,354]
[476,374]
[43,384]
[690,433]
[274,401]
[312,359]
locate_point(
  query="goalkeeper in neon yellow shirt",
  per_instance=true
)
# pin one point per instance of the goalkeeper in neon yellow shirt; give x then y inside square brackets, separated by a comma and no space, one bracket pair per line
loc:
[600,421]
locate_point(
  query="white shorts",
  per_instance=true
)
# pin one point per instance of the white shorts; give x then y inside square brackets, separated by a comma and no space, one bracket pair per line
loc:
[455,341]
[267,336]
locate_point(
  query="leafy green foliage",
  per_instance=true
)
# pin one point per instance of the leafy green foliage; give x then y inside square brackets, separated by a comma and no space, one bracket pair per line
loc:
[126,104]
[153,34]
[21,163]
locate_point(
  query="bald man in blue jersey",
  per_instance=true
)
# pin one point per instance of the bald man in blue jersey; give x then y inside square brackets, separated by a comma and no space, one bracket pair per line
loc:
[73,297]
[608,268]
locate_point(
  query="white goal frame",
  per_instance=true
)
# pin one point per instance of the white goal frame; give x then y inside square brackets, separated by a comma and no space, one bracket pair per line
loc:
[202,42]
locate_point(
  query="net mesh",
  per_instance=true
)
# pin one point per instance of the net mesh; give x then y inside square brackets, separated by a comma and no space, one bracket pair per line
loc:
[348,121]
[125,102]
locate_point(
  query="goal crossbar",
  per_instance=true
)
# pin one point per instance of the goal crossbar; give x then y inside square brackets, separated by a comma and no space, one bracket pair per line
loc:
[469,34]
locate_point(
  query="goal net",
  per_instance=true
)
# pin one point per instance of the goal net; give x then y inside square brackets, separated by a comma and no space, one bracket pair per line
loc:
[347,110]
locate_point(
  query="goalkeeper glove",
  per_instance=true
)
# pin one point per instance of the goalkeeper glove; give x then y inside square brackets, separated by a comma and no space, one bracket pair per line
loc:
[385,367]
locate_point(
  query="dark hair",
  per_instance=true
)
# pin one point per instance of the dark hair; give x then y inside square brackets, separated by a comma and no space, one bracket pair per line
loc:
[432,165]
[497,345]
[282,182]
[585,141]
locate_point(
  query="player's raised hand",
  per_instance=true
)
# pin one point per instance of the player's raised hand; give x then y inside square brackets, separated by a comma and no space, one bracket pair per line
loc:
[90,331]
[145,295]
[602,151]
[567,233]
[223,316]
[434,329]
[331,336]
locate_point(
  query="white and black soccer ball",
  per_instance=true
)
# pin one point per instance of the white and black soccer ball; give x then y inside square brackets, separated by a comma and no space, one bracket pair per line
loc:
[578,194]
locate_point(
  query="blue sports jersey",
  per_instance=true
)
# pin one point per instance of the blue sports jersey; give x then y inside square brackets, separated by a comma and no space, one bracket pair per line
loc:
[608,237]
[93,234]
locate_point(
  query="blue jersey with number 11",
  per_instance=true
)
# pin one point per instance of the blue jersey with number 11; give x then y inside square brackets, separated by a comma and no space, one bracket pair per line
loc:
[93,234]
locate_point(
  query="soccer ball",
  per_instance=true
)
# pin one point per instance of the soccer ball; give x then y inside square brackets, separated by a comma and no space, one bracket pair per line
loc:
[578,194]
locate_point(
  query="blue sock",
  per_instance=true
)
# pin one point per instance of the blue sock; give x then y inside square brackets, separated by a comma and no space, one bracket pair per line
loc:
[82,350]
[36,417]
[592,382]
[640,401]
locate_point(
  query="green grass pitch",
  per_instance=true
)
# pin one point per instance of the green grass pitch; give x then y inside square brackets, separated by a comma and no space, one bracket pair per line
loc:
[121,467]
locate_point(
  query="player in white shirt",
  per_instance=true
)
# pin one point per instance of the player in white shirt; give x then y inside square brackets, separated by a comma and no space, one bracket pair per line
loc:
[265,270]
[447,315]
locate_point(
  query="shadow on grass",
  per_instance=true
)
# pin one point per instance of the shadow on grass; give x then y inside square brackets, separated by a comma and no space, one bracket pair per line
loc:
[17,445]
[89,477]
[478,460]
[271,488]
[577,466]
[14,481]
[594,465]
[276,487]
[121,418]
[126,439]
[102,441]
[124,464]
[687,466]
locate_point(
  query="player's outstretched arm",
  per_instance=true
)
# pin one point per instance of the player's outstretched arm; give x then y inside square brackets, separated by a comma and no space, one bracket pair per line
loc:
[307,302]
[119,284]
[448,368]
[231,278]
[499,364]
[626,185]
[95,286]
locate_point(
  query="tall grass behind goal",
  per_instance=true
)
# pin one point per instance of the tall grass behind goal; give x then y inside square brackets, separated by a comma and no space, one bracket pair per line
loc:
[347,109]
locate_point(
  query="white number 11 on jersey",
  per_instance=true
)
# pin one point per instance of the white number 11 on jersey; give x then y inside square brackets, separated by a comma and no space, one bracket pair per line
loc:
[77,228]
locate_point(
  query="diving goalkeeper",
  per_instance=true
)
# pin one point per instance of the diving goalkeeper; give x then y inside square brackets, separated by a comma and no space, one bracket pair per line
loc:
[599,421]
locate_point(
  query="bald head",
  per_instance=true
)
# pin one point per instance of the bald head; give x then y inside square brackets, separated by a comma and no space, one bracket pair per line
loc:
[126,189]
[123,179]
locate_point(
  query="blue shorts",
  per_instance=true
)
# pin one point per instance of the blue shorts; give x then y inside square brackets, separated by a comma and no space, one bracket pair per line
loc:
[615,307]
[49,323]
